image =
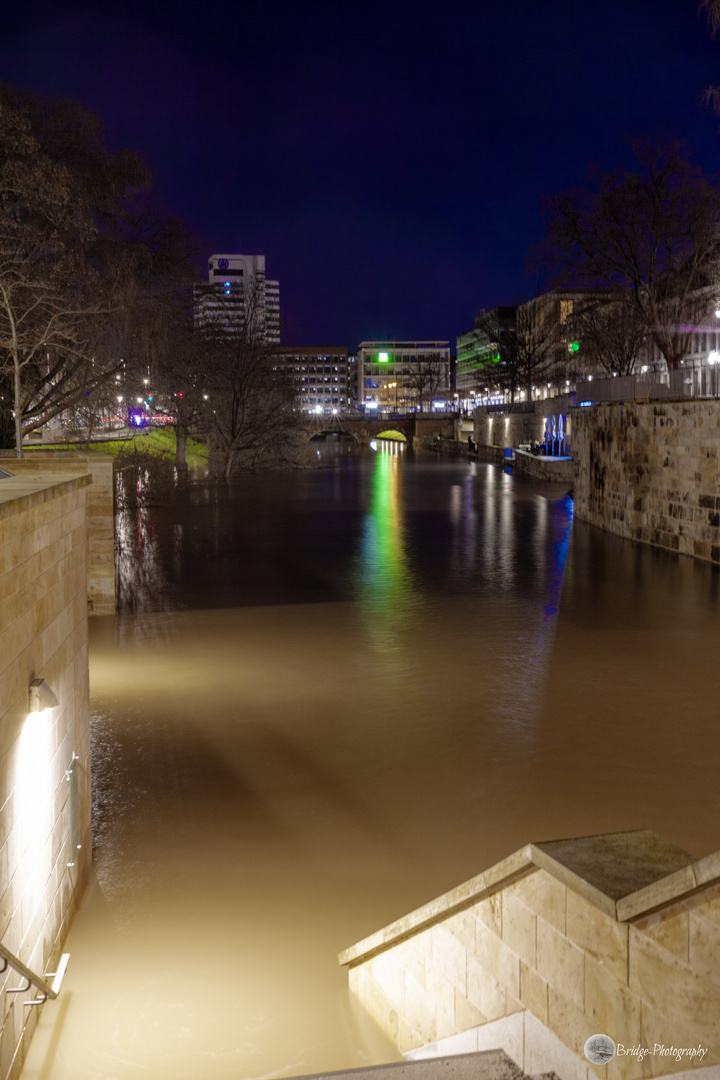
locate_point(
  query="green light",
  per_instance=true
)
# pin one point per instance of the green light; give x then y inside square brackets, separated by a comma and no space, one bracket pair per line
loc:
[382,358]
[384,576]
[574,346]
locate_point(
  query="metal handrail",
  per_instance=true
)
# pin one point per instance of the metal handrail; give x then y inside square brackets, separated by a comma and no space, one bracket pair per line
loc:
[47,990]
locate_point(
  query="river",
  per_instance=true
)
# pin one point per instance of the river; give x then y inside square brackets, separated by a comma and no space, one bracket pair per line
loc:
[330,696]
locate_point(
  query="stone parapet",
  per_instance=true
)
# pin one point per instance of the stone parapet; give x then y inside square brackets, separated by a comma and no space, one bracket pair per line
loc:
[558,470]
[44,756]
[617,934]
[38,469]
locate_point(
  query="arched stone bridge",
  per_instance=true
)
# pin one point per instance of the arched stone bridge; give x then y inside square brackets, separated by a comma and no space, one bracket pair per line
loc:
[365,428]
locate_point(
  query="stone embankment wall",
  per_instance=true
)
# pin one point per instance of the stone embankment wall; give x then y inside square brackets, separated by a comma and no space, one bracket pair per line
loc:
[535,955]
[44,812]
[457,448]
[44,465]
[513,428]
[649,472]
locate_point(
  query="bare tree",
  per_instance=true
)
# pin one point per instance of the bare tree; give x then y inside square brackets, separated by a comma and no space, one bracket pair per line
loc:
[85,253]
[522,344]
[609,333]
[712,9]
[652,234]
[253,406]
[42,231]
[184,375]
[425,377]
[538,351]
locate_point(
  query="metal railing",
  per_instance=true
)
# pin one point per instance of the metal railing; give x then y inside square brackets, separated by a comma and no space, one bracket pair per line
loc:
[46,989]
[684,382]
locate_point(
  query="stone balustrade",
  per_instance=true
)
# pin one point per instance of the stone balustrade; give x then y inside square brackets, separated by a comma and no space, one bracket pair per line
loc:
[618,934]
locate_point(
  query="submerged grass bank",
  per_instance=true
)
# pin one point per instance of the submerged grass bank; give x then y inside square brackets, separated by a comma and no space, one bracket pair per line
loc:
[157,441]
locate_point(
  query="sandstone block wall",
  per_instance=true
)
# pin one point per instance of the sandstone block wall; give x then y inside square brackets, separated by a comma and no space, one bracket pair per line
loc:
[43,633]
[43,466]
[539,468]
[534,967]
[649,472]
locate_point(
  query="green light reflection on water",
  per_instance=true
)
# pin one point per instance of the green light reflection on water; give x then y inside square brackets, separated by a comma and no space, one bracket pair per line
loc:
[388,592]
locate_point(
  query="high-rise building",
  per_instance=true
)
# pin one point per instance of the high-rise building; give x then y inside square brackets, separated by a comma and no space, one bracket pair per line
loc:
[244,294]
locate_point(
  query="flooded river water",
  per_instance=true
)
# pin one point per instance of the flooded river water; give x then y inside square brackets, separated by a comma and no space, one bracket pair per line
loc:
[329,697]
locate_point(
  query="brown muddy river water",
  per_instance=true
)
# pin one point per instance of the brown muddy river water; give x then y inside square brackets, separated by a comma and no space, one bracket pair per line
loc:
[329,697]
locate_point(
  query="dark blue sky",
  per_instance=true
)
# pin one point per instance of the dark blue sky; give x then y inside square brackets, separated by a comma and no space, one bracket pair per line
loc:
[387,158]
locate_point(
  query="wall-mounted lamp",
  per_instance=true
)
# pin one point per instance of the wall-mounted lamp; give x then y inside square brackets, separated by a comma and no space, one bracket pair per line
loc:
[40,696]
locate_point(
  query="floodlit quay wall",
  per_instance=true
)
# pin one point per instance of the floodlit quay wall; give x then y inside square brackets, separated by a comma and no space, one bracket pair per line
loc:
[649,472]
[44,812]
[527,425]
[618,934]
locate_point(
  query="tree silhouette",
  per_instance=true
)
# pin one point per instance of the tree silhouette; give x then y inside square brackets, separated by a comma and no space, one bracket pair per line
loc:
[650,236]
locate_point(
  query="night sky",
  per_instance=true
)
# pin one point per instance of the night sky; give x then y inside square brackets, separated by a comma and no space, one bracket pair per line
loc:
[387,158]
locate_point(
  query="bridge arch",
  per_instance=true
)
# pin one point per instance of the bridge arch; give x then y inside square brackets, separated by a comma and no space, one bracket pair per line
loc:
[366,428]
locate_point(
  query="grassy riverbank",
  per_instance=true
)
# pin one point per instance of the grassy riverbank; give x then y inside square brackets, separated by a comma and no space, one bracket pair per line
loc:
[159,442]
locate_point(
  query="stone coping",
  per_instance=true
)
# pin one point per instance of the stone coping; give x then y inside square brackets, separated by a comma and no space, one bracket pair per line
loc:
[626,875]
[482,1065]
[21,493]
[52,460]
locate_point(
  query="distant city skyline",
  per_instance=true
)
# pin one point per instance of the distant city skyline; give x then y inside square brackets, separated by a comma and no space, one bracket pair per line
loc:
[388,161]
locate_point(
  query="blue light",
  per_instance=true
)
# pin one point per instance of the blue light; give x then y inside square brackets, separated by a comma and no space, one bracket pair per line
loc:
[585,404]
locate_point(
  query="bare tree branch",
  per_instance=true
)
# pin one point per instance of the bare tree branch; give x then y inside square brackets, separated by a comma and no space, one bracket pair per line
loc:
[651,235]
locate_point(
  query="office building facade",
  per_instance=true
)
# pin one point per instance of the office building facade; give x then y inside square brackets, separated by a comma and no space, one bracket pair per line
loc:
[402,376]
[320,375]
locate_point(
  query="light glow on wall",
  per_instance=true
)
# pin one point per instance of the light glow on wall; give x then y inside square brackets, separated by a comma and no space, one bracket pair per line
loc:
[33,783]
